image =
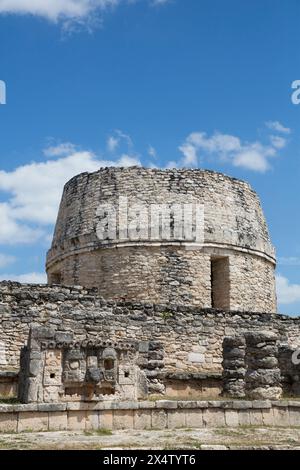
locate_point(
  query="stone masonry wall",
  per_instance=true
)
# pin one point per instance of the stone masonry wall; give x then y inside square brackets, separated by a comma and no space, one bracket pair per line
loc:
[246,272]
[154,273]
[192,337]
[161,414]
[164,270]
[164,274]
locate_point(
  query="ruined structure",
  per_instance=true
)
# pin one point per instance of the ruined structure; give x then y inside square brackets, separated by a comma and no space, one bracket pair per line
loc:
[161,283]
[55,367]
[232,268]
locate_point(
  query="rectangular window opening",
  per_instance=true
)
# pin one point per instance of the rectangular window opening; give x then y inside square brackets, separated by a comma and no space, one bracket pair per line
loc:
[220,283]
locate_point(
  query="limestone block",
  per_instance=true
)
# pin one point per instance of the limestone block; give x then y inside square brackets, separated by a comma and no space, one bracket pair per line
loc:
[197,358]
[231,418]
[8,422]
[106,419]
[294,414]
[76,420]
[244,417]
[176,419]
[159,419]
[123,419]
[33,421]
[256,417]
[214,417]
[281,416]
[194,418]
[268,417]
[92,420]
[58,421]
[142,419]
[166,404]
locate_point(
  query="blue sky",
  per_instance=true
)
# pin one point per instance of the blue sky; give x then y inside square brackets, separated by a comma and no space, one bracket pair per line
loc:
[201,83]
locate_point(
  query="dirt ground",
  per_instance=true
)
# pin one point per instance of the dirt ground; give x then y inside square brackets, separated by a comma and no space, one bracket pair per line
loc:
[197,439]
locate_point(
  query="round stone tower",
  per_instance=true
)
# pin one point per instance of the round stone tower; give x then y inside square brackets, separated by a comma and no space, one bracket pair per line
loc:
[189,237]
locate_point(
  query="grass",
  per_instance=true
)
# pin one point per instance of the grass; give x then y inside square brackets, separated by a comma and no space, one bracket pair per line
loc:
[9,401]
[166,315]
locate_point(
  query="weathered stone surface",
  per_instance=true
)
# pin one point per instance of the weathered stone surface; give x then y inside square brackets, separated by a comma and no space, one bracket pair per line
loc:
[90,419]
[142,419]
[123,419]
[234,371]
[8,422]
[268,417]
[58,420]
[77,420]
[159,419]
[106,419]
[166,404]
[256,417]
[262,382]
[194,418]
[244,417]
[33,421]
[214,417]
[231,418]
[164,271]
[176,419]
[101,317]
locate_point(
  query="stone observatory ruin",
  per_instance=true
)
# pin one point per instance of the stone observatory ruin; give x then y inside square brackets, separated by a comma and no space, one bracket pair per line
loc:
[160,295]
[232,269]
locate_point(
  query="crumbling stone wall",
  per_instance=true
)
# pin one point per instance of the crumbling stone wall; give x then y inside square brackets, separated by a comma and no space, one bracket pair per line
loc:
[55,367]
[191,337]
[257,366]
[263,376]
[234,366]
[288,357]
[164,270]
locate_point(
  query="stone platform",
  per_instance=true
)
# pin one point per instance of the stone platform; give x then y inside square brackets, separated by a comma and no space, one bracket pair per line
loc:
[155,415]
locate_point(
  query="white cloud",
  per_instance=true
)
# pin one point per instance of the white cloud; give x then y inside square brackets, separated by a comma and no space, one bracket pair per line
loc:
[128,160]
[278,127]
[112,144]
[190,154]
[73,14]
[13,231]
[152,152]
[172,164]
[125,137]
[278,142]
[59,150]
[289,261]
[250,155]
[253,157]
[55,10]
[117,139]
[6,260]
[287,293]
[34,192]
[28,278]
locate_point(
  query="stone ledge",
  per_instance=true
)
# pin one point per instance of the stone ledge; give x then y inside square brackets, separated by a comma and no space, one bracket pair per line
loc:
[60,293]
[167,404]
[235,405]
[52,407]
[163,414]
[190,376]
[261,404]
[294,404]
